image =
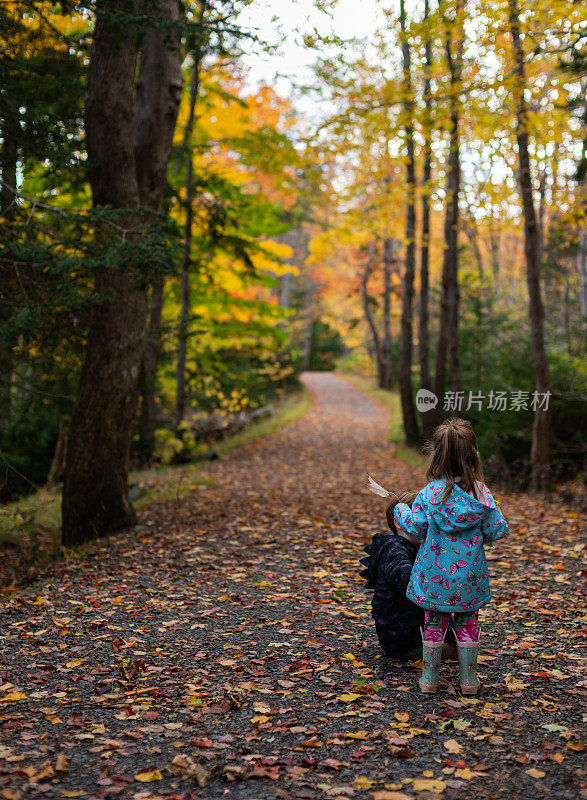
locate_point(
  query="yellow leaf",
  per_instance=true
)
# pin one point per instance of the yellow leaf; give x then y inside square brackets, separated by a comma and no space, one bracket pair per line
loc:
[46,771]
[75,663]
[71,794]
[361,782]
[39,601]
[453,746]
[13,697]
[465,774]
[402,716]
[385,794]
[148,775]
[360,735]
[349,698]
[428,785]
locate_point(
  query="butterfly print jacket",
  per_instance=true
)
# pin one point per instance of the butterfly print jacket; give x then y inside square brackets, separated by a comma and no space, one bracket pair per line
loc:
[450,572]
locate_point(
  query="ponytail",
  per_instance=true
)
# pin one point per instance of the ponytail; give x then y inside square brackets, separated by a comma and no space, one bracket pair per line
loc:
[453,454]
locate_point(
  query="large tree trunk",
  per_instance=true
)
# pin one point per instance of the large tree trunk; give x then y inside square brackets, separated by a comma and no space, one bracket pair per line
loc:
[95,494]
[405,359]
[158,95]
[423,330]
[542,415]
[449,300]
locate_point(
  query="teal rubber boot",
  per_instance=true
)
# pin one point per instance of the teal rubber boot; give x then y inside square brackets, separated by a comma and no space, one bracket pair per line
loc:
[469,681]
[431,657]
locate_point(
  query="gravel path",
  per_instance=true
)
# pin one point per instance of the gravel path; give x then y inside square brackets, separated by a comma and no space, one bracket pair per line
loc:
[224,646]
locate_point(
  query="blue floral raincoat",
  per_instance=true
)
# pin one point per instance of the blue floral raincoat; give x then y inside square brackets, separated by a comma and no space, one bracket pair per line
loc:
[450,571]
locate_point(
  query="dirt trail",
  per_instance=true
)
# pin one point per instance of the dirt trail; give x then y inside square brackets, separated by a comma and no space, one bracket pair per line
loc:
[224,646]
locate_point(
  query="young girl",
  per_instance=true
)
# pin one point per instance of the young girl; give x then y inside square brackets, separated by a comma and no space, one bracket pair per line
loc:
[453,516]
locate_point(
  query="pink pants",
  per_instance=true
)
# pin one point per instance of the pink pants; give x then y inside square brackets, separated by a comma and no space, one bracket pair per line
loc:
[466,626]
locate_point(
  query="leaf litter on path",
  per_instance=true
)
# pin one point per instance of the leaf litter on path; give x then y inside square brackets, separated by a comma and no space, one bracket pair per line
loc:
[225,645]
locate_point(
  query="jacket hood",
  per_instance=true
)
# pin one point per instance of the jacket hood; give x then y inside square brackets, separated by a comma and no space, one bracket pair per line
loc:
[460,511]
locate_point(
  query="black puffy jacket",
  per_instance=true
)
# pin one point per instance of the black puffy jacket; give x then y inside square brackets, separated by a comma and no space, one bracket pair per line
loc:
[388,568]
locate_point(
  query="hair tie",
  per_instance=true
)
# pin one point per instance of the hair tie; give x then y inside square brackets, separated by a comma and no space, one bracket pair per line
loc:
[450,425]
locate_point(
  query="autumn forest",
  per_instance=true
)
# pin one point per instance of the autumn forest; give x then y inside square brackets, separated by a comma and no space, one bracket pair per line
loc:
[179,242]
[251,252]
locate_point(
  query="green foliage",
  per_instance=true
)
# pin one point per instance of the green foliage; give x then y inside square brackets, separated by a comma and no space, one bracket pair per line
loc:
[496,356]
[325,347]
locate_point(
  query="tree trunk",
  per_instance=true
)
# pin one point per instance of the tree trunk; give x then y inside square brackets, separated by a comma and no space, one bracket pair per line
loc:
[386,350]
[405,359]
[95,493]
[449,300]
[158,95]
[423,331]
[582,258]
[494,240]
[542,221]
[472,234]
[542,416]
[369,315]
[182,339]
[148,381]
[57,469]
[8,173]
[308,323]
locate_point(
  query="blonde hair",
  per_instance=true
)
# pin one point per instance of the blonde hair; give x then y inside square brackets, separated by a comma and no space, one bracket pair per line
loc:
[453,454]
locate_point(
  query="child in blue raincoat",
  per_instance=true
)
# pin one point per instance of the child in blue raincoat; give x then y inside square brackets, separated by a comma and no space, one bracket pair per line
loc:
[453,516]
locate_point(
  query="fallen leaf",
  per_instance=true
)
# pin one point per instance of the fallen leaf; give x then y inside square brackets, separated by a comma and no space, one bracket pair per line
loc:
[186,767]
[464,773]
[148,775]
[361,782]
[13,697]
[62,763]
[350,697]
[428,785]
[535,773]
